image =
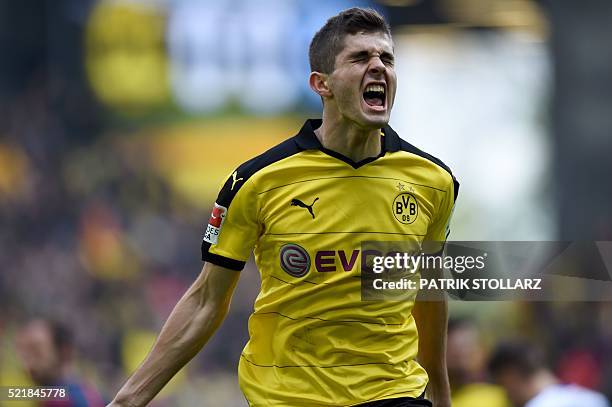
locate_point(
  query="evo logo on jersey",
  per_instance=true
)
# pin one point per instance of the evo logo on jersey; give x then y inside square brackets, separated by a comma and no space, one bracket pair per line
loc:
[340,260]
[327,260]
[214,224]
[295,260]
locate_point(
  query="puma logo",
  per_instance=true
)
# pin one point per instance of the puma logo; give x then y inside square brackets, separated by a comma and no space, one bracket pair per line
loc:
[297,202]
[234,175]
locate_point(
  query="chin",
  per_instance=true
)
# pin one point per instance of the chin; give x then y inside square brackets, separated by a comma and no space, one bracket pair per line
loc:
[372,117]
[375,122]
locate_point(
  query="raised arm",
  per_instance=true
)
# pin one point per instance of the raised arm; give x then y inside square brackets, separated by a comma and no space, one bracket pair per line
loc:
[192,322]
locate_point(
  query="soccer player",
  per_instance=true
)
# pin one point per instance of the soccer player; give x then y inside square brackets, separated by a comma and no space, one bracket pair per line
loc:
[303,208]
[520,369]
[46,350]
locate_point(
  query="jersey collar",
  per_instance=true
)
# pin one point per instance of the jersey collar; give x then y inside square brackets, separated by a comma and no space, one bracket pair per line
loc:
[307,140]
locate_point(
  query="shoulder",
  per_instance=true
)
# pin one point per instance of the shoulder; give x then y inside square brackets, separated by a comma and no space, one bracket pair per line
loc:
[439,170]
[305,139]
[279,152]
[245,174]
[394,142]
[407,147]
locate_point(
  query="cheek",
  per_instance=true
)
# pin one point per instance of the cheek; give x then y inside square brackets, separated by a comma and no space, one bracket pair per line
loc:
[347,91]
[393,84]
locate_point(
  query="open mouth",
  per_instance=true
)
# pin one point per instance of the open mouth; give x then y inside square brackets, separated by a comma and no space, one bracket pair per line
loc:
[374,95]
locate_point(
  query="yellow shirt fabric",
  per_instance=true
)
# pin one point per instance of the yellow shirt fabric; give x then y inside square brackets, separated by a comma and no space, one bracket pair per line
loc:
[304,212]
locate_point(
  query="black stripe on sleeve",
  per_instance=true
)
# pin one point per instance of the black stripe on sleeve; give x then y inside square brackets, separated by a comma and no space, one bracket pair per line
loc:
[220,260]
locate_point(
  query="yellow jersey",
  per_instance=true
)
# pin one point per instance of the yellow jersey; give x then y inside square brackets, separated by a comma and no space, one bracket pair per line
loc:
[304,211]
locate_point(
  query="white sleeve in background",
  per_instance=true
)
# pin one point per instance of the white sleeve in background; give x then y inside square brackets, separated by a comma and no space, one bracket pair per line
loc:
[561,395]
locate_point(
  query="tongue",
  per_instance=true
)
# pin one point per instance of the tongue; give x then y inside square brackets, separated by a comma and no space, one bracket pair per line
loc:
[373,101]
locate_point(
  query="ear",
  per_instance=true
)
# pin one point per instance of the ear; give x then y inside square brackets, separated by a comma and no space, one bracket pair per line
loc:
[319,83]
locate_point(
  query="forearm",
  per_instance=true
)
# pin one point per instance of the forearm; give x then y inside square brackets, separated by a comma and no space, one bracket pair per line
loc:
[432,319]
[432,351]
[192,322]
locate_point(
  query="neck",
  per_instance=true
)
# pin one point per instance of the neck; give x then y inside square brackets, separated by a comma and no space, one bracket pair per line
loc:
[540,381]
[347,138]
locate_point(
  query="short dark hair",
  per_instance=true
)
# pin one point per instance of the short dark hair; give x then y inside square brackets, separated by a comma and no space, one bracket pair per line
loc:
[329,40]
[61,334]
[518,355]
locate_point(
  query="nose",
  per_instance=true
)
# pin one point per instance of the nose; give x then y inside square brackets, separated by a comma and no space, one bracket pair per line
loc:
[376,66]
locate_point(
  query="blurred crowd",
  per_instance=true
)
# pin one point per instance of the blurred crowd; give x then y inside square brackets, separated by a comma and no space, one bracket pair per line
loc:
[96,241]
[93,238]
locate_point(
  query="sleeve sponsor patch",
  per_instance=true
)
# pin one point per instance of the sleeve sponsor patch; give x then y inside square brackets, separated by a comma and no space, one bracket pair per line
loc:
[214,224]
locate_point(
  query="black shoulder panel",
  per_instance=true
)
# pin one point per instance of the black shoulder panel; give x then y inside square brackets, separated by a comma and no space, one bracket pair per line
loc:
[405,146]
[233,184]
[246,170]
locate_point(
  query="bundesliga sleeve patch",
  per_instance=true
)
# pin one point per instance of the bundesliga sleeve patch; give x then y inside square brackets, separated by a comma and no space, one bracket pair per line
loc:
[214,224]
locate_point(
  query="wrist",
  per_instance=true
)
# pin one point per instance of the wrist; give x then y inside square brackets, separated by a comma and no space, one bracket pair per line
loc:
[121,401]
[438,391]
[441,403]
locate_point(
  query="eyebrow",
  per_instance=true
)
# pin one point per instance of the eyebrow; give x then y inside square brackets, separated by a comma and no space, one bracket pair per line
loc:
[363,54]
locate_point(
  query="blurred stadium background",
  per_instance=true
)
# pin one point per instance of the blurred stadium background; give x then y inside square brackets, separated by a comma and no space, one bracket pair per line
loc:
[119,120]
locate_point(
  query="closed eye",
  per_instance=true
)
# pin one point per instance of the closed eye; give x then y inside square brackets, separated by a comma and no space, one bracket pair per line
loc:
[359,56]
[387,58]
[364,56]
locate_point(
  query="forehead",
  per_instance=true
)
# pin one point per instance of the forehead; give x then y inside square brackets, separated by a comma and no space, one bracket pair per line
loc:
[376,42]
[36,334]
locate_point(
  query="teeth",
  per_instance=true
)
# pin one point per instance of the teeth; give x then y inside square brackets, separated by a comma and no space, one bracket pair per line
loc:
[375,88]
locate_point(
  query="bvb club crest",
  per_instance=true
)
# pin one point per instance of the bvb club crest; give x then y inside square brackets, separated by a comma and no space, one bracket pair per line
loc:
[405,208]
